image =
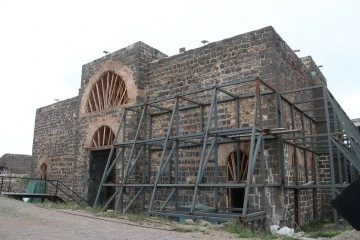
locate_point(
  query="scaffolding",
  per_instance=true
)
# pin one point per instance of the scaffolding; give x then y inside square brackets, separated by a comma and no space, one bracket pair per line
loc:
[308,119]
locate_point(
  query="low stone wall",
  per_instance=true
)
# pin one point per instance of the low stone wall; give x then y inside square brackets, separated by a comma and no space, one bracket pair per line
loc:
[16,163]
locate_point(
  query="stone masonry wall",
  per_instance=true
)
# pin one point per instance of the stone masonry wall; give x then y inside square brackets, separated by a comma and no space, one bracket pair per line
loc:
[63,131]
[16,163]
[261,53]
[55,141]
[235,58]
[130,64]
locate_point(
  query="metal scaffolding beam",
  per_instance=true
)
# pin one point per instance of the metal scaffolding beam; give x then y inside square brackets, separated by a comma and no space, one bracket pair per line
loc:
[157,189]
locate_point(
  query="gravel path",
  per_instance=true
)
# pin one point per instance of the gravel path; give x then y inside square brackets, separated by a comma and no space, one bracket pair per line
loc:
[19,220]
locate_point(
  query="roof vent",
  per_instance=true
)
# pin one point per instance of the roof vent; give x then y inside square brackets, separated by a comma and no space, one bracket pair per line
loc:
[182,50]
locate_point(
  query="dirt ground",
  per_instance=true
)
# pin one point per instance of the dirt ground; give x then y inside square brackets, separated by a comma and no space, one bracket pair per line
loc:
[347,235]
[20,220]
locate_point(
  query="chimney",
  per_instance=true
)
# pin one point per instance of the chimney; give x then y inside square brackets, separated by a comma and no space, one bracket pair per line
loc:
[182,50]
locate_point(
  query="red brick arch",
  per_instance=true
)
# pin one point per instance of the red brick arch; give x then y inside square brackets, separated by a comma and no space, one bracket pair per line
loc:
[224,150]
[112,123]
[121,70]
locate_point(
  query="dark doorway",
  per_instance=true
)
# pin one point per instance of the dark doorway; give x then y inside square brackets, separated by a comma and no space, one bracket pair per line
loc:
[235,196]
[43,171]
[97,165]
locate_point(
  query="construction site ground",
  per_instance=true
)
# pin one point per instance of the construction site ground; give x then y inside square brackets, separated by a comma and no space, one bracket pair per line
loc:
[20,220]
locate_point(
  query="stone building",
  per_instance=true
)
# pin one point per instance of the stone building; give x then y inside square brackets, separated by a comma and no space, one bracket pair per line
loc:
[16,163]
[252,146]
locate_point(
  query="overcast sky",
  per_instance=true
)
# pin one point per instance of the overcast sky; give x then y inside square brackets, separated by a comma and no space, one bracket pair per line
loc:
[43,44]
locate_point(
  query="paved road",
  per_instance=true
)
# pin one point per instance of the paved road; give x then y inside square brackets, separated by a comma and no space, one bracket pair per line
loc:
[19,220]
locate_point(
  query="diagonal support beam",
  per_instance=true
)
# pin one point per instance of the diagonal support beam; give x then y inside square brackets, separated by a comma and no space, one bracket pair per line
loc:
[133,200]
[133,164]
[106,205]
[167,161]
[168,200]
[113,164]
[252,154]
[256,151]
[346,124]
[331,155]
[121,189]
[202,158]
[207,159]
[97,199]
[166,144]
[347,153]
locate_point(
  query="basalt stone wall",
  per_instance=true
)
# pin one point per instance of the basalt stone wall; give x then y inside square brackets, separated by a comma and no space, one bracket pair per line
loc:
[259,53]
[63,131]
[130,64]
[136,57]
[301,206]
[322,162]
[240,57]
[55,142]
[235,58]
[313,70]
[324,195]
[16,163]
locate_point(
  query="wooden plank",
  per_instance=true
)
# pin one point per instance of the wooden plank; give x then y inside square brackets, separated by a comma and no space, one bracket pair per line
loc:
[242,167]
[103,92]
[104,136]
[94,142]
[234,166]
[245,170]
[122,97]
[123,94]
[109,137]
[113,90]
[90,106]
[98,94]
[231,173]
[110,89]
[107,89]
[96,104]
[124,91]
[117,96]
[98,139]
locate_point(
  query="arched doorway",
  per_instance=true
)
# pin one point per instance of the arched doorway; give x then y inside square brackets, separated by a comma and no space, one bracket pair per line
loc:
[102,140]
[43,171]
[236,171]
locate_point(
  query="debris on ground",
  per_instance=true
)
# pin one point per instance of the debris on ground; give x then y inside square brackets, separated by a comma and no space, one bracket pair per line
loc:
[285,231]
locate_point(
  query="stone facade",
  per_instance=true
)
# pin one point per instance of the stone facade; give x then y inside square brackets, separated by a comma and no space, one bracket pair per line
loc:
[16,163]
[65,132]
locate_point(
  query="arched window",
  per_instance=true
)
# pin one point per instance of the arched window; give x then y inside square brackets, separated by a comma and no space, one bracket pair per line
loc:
[231,164]
[104,136]
[109,91]
[236,173]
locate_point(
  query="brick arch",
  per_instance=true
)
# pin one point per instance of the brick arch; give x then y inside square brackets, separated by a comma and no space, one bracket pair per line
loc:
[104,136]
[224,150]
[112,123]
[119,69]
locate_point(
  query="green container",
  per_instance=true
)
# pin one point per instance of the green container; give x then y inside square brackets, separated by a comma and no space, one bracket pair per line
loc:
[35,186]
